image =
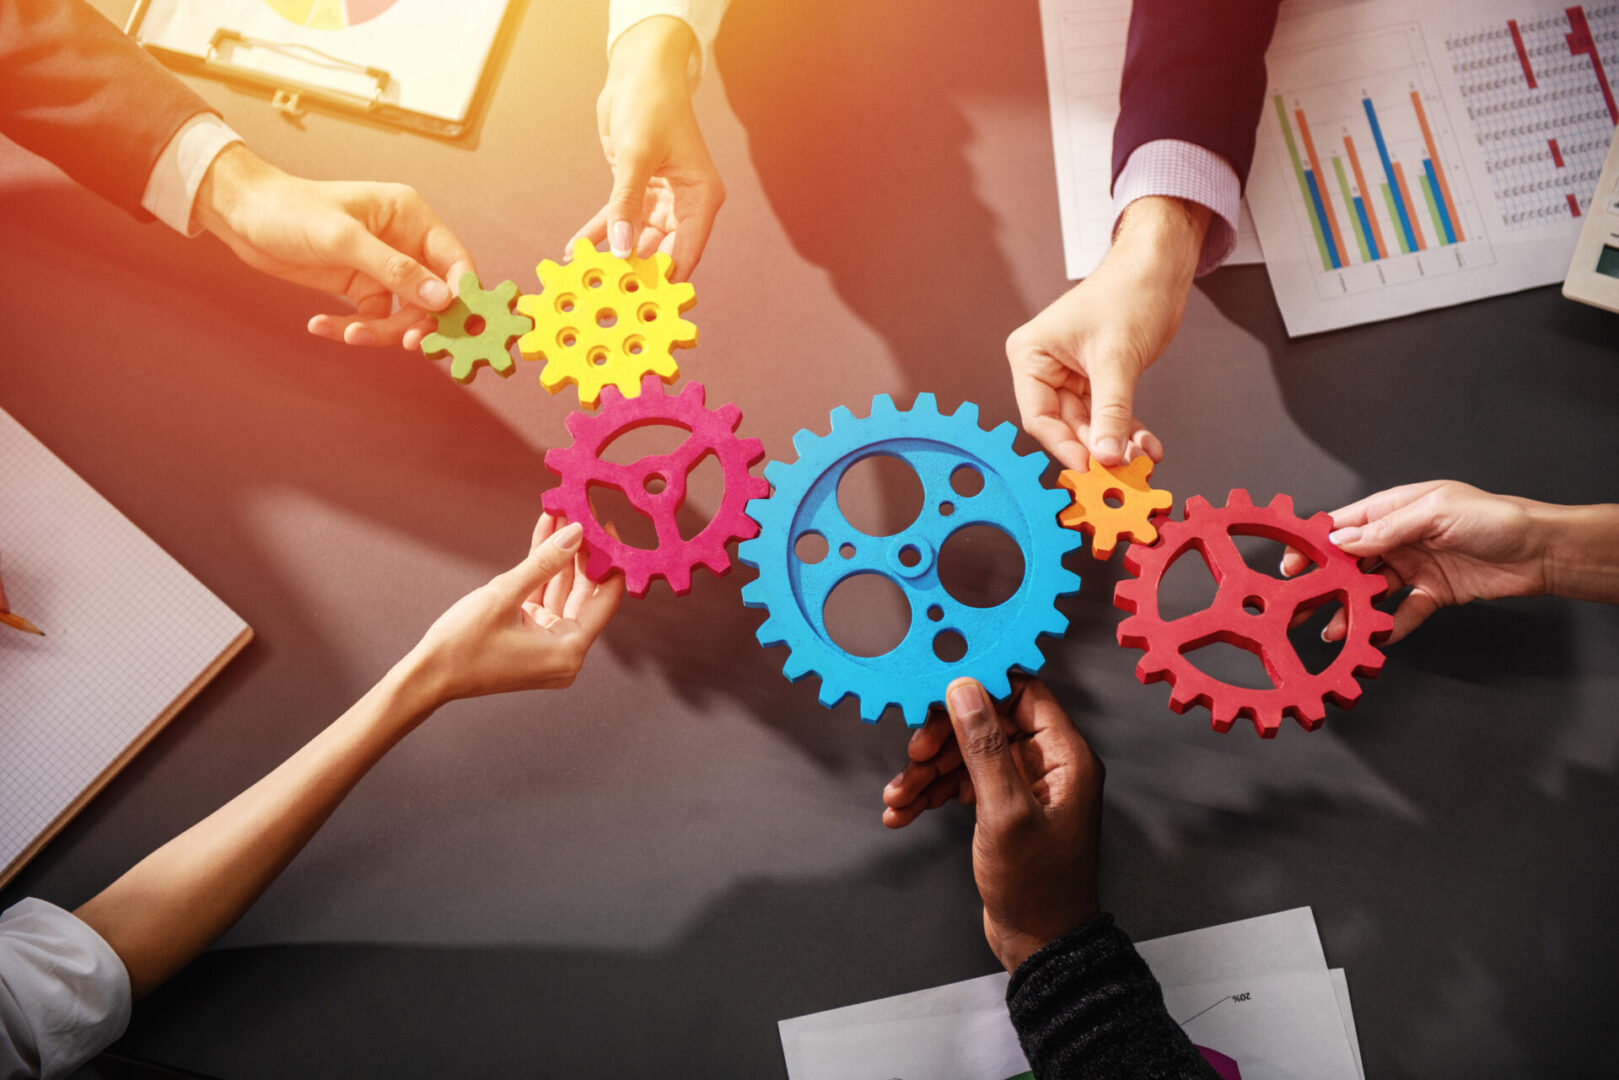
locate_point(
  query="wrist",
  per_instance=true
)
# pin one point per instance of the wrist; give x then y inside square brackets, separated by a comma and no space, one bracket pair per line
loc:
[1578,550]
[417,684]
[1166,232]
[661,44]
[226,186]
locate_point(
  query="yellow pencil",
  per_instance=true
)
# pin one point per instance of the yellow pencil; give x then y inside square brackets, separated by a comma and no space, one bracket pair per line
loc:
[17,622]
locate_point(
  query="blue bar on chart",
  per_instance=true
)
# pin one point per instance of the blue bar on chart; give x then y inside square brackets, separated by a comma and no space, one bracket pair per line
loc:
[1388,171]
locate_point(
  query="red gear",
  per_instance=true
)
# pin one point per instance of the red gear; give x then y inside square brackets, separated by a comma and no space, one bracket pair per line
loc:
[1231,618]
[711,431]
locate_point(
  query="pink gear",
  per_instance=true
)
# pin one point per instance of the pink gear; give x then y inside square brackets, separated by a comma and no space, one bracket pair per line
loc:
[712,431]
[1252,611]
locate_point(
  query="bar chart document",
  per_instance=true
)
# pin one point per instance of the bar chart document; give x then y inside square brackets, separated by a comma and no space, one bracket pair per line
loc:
[1084,42]
[1416,155]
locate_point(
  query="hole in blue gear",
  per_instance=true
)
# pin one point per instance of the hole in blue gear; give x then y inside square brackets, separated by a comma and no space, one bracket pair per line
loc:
[949,646]
[981,566]
[811,547]
[880,494]
[867,615]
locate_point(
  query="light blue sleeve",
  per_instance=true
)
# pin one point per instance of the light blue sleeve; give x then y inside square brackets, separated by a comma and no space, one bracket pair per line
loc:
[64,993]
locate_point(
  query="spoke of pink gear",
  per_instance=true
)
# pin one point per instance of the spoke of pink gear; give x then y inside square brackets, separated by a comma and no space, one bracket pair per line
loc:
[656,485]
[1252,611]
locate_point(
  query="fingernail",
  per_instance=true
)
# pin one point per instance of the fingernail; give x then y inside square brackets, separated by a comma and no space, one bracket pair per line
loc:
[1282,569]
[1324,636]
[620,239]
[569,537]
[1107,448]
[434,293]
[361,336]
[966,701]
[567,256]
[1131,452]
[1340,537]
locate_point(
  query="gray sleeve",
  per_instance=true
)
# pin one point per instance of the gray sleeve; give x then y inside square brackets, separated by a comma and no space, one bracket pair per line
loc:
[64,993]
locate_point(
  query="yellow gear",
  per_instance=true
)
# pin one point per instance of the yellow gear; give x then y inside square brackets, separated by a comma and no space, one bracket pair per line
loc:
[605,321]
[1127,485]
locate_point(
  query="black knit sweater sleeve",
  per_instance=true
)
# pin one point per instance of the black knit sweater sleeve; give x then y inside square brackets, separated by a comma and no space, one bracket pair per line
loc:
[1087,1006]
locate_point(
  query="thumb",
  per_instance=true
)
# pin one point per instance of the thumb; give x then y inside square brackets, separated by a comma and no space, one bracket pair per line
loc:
[395,271]
[1409,524]
[1113,385]
[631,173]
[985,749]
[544,562]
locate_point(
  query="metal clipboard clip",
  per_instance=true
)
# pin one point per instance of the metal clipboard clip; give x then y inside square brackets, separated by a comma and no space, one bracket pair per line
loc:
[287,95]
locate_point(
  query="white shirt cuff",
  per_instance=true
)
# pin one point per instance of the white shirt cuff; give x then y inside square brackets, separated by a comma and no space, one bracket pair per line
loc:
[1187,171]
[64,993]
[172,188]
[703,16]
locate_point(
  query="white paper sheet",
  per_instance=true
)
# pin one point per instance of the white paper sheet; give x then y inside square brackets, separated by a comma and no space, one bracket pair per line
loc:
[1278,1027]
[1265,945]
[962,1032]
[1499,210]
[1340,989]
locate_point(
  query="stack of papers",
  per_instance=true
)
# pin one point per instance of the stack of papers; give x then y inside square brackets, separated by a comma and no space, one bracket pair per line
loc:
[1257,992]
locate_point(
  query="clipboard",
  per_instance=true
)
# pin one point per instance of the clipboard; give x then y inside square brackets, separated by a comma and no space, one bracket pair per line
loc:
[418,65]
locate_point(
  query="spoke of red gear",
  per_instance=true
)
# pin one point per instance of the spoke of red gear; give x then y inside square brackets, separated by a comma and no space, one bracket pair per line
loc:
[710,431]
[1252,611]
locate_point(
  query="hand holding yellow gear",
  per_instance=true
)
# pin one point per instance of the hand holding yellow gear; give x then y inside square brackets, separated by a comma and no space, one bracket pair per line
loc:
[1095,493]
[602,320]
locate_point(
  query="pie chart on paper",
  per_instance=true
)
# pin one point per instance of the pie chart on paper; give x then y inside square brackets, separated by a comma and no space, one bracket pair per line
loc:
[329,14]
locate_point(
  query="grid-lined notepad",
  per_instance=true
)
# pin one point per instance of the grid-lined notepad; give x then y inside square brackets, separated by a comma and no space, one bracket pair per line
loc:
[130,638]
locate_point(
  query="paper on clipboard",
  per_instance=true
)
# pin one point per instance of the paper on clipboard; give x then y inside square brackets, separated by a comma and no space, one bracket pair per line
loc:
[430,62]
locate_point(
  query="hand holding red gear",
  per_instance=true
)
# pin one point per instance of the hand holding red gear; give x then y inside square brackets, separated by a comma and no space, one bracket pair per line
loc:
[710,431]
[1253,611]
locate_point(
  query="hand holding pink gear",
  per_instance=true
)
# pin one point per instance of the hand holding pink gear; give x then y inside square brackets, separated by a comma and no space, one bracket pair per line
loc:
[1252,611]
[711,431]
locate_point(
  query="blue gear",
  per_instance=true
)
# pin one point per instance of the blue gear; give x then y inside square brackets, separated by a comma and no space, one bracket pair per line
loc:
[804,499]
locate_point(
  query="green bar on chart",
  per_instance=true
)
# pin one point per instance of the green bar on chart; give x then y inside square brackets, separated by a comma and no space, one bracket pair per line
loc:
[1394,215]
[1349,201]
[1304,187]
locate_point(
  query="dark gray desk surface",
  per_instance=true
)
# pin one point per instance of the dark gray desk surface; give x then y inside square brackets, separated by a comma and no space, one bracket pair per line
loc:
[639,877]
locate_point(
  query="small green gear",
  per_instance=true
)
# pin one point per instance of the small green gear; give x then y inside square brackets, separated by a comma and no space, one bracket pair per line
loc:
[478,327]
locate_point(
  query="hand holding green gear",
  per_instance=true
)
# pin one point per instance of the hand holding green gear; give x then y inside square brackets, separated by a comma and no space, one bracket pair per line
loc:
[478,327]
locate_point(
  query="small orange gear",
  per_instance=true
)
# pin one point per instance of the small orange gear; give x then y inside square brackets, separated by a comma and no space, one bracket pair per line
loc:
[1094,514]
[601,320]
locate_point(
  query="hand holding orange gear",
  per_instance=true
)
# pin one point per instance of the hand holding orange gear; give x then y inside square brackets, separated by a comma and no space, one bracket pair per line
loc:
[1095,493]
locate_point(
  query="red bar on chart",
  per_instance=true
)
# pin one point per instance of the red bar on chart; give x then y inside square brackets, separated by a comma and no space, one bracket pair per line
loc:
[1438,168]
[1580,43]
[1557,155]
[1573,205]
[1523,54]
[1366,196]
[1411,214]
[1315,164]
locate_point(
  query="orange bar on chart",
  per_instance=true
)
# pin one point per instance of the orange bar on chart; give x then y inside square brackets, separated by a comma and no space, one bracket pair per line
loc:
[1438,169]
[1315,166]
[1366,197]
[1405,193]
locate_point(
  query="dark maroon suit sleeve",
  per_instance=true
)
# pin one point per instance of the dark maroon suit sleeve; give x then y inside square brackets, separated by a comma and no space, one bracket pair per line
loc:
[1195,70]
[76,90]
